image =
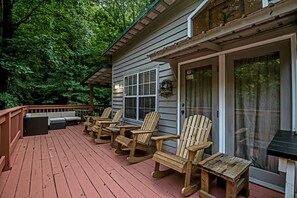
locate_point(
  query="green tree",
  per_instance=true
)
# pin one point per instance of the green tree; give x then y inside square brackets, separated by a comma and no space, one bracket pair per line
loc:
[48,47]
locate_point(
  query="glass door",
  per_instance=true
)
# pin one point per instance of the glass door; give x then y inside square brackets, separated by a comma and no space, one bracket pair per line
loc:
[199,93]
[258,102]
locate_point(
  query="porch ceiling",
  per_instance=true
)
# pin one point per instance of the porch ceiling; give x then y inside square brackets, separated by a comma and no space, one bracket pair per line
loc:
[281,15]
[101,78]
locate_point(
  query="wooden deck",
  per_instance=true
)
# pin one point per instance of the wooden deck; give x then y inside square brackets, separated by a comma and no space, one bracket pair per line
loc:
[66,163]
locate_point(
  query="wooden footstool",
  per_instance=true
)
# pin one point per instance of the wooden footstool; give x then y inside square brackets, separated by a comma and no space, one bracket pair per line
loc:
[234,170]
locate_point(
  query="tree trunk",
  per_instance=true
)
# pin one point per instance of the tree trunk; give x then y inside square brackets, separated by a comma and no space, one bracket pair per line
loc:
[7,33]
[7,28]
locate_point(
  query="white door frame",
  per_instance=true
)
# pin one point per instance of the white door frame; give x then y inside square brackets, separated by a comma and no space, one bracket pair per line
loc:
[222,85]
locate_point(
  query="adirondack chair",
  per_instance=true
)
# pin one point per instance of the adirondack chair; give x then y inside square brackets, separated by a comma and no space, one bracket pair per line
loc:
[104,128]
[140,140]
[91,119]
[193,141]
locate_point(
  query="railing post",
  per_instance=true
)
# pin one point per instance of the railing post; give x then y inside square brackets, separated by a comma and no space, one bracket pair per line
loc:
[5,140]
[21,122]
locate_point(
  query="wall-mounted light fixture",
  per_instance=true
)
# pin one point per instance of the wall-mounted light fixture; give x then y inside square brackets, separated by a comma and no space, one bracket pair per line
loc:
[117,86]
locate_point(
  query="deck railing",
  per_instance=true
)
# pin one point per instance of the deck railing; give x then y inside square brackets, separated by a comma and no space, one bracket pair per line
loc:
[80,109]
[11,125]
[11,130]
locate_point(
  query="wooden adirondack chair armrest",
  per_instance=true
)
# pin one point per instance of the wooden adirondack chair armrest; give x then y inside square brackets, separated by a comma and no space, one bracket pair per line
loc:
[160,139]
[101,119]
[106,122]
[195,148]
[198,147]
[129,126]
[134,132]
[165,137]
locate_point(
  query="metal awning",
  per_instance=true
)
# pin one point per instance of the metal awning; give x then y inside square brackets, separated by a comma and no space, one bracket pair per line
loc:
[101,78]
[270,19]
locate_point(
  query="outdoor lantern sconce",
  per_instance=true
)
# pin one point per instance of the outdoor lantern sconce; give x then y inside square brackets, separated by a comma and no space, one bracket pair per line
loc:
[117,86]
[166,88]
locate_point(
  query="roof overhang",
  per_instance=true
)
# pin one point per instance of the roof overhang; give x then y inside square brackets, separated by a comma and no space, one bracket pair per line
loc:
[153,12]
[101,78]
[279,16]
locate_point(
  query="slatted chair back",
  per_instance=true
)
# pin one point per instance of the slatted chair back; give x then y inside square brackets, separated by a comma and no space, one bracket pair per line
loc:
[196,130]
[149,123]
[116,118]
[106,112]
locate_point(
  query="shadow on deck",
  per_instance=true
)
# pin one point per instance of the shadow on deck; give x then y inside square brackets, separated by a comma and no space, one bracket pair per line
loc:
[67,163]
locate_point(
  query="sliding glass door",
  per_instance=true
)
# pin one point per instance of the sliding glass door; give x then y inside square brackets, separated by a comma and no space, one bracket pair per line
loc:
[258,97]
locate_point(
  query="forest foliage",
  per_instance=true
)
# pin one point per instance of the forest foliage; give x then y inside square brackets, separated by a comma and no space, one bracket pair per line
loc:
[48,47]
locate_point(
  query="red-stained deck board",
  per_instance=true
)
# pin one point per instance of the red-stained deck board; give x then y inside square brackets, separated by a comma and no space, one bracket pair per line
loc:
[36,175]
[23,187]
[73,184]
[60,181]
[120,171]
[5,175]
[67,163]
[97,170]
[12,181]
[48,183]
[98,184]
[79,172]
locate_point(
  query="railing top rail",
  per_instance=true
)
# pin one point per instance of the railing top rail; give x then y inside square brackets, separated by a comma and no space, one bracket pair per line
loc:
[10,110]
[61,106]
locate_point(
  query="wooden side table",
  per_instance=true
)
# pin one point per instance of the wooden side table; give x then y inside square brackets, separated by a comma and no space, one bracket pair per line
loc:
[234,170]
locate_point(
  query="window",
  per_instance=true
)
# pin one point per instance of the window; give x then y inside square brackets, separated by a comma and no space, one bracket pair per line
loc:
[140,94]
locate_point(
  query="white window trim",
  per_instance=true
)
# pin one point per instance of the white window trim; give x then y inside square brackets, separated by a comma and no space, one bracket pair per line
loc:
[137,94]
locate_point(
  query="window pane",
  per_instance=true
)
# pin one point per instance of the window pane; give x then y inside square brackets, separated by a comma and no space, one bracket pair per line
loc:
[140,78]
[146,76]
[153,75]
[146,105]
[146,89]
[134,90]
[130,91]
[130,80]
[140,89]
[134,79]
[127,90]
[130,108]
[152,88]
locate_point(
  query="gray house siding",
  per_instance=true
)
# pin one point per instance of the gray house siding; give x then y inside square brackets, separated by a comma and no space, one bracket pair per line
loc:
[171,27]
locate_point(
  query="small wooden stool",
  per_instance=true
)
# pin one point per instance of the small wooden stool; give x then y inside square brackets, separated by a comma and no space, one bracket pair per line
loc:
[234,170]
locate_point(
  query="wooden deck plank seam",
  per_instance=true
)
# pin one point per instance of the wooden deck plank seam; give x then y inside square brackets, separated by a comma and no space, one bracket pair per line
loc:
[23,188]
[83,178]
[109,173]
[14,180]
[3,180]
[45,160]
[74,187]
[82,160]
[108,155]
[92,163]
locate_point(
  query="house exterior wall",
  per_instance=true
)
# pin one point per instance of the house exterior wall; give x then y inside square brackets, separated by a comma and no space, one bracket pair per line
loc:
[171,27]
